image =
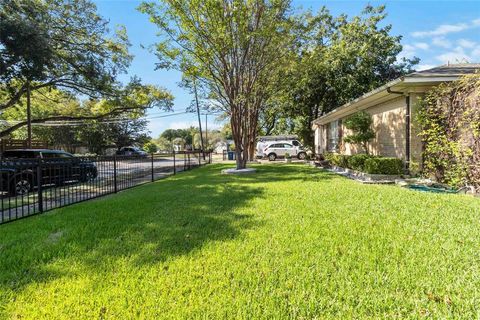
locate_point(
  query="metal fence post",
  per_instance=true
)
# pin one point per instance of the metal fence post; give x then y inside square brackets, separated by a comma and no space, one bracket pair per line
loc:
[39,185]
[174,167]
[153,172]
[115,173]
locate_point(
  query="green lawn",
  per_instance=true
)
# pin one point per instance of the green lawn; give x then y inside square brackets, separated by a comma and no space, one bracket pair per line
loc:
[288,242]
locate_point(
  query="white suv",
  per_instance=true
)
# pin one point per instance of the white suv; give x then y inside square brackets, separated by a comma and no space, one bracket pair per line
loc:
[279,149]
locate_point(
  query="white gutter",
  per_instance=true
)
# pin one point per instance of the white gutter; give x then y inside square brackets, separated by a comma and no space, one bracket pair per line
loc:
[356,104]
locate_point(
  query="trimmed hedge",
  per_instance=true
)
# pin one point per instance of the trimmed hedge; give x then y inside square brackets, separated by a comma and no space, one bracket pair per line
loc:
[366,163]
[392,166]
[357,161]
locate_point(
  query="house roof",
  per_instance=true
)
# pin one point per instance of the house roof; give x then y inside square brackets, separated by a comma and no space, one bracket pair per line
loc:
[419,81]
[448,70]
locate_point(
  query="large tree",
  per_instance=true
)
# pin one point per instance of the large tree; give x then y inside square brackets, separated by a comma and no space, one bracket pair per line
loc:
[228,47]
[65,45]
[337,59]
[54,105]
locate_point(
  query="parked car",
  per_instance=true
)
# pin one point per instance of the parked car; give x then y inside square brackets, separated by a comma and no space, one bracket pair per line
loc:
[131,151]
[263,143]
[280,149]
[19,174]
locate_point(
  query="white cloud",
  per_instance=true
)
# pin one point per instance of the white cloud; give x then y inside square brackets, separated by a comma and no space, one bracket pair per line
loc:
[441,42]
[458,55]
[407,52]
[183,124]
[444,29]
[212,125]
[422,45]
[421,67]
[476,54]
[466,43]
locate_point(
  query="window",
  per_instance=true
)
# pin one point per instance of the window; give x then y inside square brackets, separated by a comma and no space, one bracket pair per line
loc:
[64,155]
[49,155]
[11,154]
[333,136]
[296,143]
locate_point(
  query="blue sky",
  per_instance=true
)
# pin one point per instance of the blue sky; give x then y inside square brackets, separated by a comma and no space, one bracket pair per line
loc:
[435,31]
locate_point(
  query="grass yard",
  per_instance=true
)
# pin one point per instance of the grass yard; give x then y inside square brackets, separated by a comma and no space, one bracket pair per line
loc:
[288,242]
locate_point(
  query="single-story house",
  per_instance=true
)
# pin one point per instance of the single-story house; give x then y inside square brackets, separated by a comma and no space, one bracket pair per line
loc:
[393,107]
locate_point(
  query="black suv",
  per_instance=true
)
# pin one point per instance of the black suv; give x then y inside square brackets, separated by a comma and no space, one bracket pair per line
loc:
[19,169]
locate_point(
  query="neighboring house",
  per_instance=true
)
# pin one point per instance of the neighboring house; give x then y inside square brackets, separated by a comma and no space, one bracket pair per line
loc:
[220,146]
[393,108]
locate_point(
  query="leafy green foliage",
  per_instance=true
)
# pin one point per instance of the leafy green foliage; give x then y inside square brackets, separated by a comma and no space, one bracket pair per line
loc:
[366,163]
[70,53]
[357,161]
[61,44]
[336,159]
[230,49]
[150,147]
[337,59]
[185,134]
[360,123]
[209,246]
[380,165]
[86,123]
[450,119]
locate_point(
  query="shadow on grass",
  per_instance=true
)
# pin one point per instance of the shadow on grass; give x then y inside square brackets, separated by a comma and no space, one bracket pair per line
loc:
[146,225]
[268,173]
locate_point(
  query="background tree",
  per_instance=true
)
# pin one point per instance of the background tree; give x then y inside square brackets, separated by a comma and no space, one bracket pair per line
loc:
[229,47]
[150,147]
[360,123]
[62,44]
[337,59]
[65,46]
[172,134]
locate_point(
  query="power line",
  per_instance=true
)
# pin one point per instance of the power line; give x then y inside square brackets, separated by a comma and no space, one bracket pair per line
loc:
[82,122]
[110,121]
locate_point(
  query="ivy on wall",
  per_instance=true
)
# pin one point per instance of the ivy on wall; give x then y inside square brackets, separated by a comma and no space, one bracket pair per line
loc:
[450,119]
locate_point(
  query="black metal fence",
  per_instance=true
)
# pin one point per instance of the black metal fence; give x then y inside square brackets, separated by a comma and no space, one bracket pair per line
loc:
[33,186]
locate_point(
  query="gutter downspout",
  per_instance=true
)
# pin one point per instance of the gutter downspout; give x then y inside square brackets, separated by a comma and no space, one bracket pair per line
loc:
[407,126]
[407,132]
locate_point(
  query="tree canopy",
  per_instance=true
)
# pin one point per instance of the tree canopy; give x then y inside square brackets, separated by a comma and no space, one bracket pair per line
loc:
[60,51]
[336,60]
[65,44]
[231,48]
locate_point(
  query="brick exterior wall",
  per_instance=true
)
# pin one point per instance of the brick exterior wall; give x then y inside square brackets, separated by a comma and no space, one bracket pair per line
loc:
[389,123]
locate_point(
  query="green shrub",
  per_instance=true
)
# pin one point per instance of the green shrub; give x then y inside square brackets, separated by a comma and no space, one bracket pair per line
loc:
[357,161]
[380,165]
[360,124]
[338,160]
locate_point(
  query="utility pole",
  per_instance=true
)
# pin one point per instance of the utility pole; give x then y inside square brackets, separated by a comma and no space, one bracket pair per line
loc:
[29,118]
[198,115]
